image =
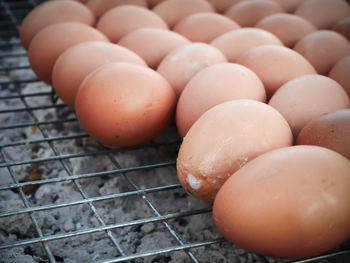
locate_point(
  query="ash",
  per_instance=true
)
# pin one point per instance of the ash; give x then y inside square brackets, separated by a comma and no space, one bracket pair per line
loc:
[97,245]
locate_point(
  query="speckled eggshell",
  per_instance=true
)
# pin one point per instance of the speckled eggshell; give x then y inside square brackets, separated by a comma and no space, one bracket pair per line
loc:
[223,140]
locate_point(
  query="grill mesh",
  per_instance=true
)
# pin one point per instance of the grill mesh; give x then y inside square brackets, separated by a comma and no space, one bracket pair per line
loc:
[41,141]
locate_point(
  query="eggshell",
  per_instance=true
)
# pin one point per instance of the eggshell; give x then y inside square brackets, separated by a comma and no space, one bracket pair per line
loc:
[204,27]
[53,12]
[221,6]
[172,11]
[73,65]
[99,7]
[214,85]
[289,5]
[323,49]
[291,203]
[53,40]
[119,21]
[223,140]
[287,27]
[275,65]
[323,13]
[234,43]
[181,64]
[124,104]
[341,73]
[152,44]
[306,98]
[343,27]
[330,131]
[247,13]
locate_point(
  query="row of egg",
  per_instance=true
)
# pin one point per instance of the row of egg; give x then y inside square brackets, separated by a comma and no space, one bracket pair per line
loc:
[216,73]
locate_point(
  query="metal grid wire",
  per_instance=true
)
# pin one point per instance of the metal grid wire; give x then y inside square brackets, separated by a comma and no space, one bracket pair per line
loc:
[11,14]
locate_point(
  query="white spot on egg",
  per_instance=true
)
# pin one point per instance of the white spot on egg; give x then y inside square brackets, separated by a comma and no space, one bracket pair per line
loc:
[194,182]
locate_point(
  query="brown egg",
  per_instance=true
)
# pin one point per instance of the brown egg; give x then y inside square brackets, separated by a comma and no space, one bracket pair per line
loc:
[341,73]
[119,21]
[204,27]
[330,131]
[53,40]
[73,65]
[306,98]
[275,65]
[288,28]
[221,6]
[235,43]
[181,64]
[124,104]
[247,13]
[323,49]
[290,203]
[172,11]
[223,140]
[152,44]
[343,27]
[289,5]
[99,7]
[214,85]
[53,12]
[323,13]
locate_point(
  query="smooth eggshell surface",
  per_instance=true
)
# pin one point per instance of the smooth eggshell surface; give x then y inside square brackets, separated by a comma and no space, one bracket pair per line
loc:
[291,203]
[275,65]
[235,43]
[124,104]
[323,49]
[214,85]
[153,44]
[53,12]
[77,62]
[119,21]
[341,73]
[343,27]
[204,27]
[172,11]
[306,98]
[223,140]
[331,131]
[53,40]
[181,64]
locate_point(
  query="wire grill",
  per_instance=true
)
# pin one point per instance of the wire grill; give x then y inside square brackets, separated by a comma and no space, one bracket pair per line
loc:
[28,106]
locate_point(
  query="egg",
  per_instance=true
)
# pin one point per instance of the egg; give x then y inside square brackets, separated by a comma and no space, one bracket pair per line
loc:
[287,27]
[234,43]
[341,73]
[73,65]
[53,40]
[223,140]
[292,202]
[247,13]
[204,27]
[323,13]
[323,49]
[330,131]
[343,27]
[289,5]
[275,65]
[124,104]
[306,98]
[152,44]
[172,11]
[53,12]
[221,6]
[214,85]
[99,7]
[121,20]
[182,63]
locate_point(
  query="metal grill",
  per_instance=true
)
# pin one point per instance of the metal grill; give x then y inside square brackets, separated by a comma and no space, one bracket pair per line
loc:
[41,144]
